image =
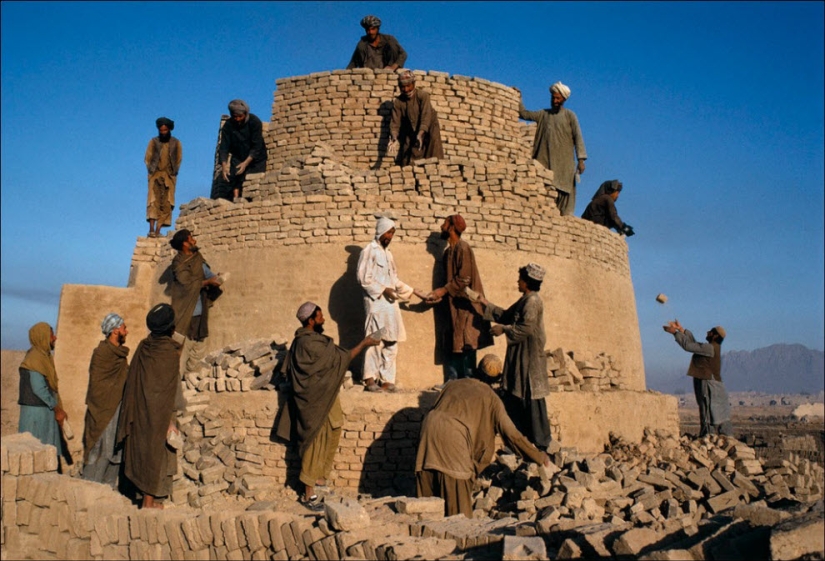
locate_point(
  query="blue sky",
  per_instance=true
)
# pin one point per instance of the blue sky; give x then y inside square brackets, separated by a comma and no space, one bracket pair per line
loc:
[711,114]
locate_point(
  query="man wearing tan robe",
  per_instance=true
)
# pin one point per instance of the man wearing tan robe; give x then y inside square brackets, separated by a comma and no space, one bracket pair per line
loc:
[163,157]
[151,397]
[458,442]
[468,331]
[414,129]
[107,376]
[315,367]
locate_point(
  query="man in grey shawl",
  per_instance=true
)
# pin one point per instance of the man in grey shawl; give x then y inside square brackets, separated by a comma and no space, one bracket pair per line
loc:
[558,144]
[414,128]
[706,370]
[151,397]
[194,288]
[524,382]
[315,367]
[107,376]
[377,50]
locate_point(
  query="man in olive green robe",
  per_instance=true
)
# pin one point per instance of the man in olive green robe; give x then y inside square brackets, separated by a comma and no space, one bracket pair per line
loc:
[163,157]
[558,145]
[315,367]
[107,376]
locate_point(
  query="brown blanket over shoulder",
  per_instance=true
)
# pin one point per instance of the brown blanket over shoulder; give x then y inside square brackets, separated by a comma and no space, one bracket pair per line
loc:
[149,398]
[107,375]
[185,291]
[316,367]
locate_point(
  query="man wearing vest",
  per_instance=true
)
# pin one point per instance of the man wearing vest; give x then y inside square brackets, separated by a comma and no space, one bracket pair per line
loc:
[706,371]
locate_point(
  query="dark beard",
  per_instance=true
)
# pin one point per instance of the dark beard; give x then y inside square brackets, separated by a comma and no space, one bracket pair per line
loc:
[318,328]
[445,234]
[164,137]
[121,339]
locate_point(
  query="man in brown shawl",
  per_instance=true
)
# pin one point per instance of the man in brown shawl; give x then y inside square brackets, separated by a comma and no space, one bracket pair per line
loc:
[414,129]
[315,367]
[559,145]
[525,381]
[150,398]
[107,376]
[162,159]
[193,289]
[458,439]
[468,330]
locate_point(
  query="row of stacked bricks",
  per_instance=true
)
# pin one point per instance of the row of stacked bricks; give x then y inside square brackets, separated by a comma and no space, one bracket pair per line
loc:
[350,110]
[233,452]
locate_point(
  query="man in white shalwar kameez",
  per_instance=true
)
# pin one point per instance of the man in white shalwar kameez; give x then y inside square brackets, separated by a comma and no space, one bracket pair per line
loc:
[378,277]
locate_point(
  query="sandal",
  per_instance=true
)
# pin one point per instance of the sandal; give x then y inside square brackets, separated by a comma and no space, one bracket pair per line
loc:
[312,503]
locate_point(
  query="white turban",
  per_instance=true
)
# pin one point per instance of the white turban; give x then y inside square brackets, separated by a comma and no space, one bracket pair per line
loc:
[561,89]
[383,226]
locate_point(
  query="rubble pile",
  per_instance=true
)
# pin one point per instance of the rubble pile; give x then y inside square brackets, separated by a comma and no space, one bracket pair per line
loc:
[239,367]
[598,374]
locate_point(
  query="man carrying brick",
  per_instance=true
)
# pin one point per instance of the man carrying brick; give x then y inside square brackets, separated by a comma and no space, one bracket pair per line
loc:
[315,367]
[378,277]
[107,376]
[458,439]
[468,331]
[242,150]
[602,208]
[194,288]
[414,128]
[706,370]
[377,50]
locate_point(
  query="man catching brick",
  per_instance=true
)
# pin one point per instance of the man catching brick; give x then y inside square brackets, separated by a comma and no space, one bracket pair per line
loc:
[706,370]
[378,277]
[315,367]
[458,439]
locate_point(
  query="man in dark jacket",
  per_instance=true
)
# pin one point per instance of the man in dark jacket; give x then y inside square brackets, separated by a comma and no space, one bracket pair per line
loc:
[377,50]
[602,208]
[242,136]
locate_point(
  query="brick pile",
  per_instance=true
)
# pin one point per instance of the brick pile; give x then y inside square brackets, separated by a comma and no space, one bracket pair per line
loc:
[240,367]
[600,373]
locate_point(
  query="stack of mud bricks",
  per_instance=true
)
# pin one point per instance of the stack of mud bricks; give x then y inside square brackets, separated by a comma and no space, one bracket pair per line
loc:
[601,373]
[239,367]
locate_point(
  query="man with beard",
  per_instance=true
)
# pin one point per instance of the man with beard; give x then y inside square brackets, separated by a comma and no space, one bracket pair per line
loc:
[524,382]
[468,330]
[414,129]
[602,208]
[377,50]
[107,376]
[151,396]
[163,157]
[706,370]
[242,136]
[41,409]
[458,439]
[558,144]
[193,289]
[315,367]
[382,288]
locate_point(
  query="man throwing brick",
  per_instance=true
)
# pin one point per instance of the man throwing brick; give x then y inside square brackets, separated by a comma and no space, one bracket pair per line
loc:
[706,370]
[315,367]
[458,439]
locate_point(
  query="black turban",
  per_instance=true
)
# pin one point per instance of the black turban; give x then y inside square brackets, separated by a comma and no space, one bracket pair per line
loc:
[161,319]
[177,240]
[164,121]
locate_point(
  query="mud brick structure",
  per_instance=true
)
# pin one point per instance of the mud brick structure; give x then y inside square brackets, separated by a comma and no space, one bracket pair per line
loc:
[298,234]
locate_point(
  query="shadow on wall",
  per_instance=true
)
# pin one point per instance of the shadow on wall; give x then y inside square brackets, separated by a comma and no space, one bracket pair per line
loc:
[441,311]
[346,308]
[389,463]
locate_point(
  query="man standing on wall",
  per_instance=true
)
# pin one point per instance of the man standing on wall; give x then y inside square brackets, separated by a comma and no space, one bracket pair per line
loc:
[193,289]
[163,157]
[378,277]
[414,128]
[468,329]
[315,367]
[377,50]
[706,370]
[558,144]
[107,376]
[242,137]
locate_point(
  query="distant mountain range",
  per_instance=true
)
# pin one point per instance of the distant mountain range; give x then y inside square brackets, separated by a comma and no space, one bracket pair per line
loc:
[776,369]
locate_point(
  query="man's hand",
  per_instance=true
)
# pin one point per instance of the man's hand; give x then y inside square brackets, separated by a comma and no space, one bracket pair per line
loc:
[225,171]
[581,166]
[673,326]
[370,342]
[497,330]
[420,293]
[242,167]
[419,140]
[436,295]
[391,67]
[390,294]
[60,415]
